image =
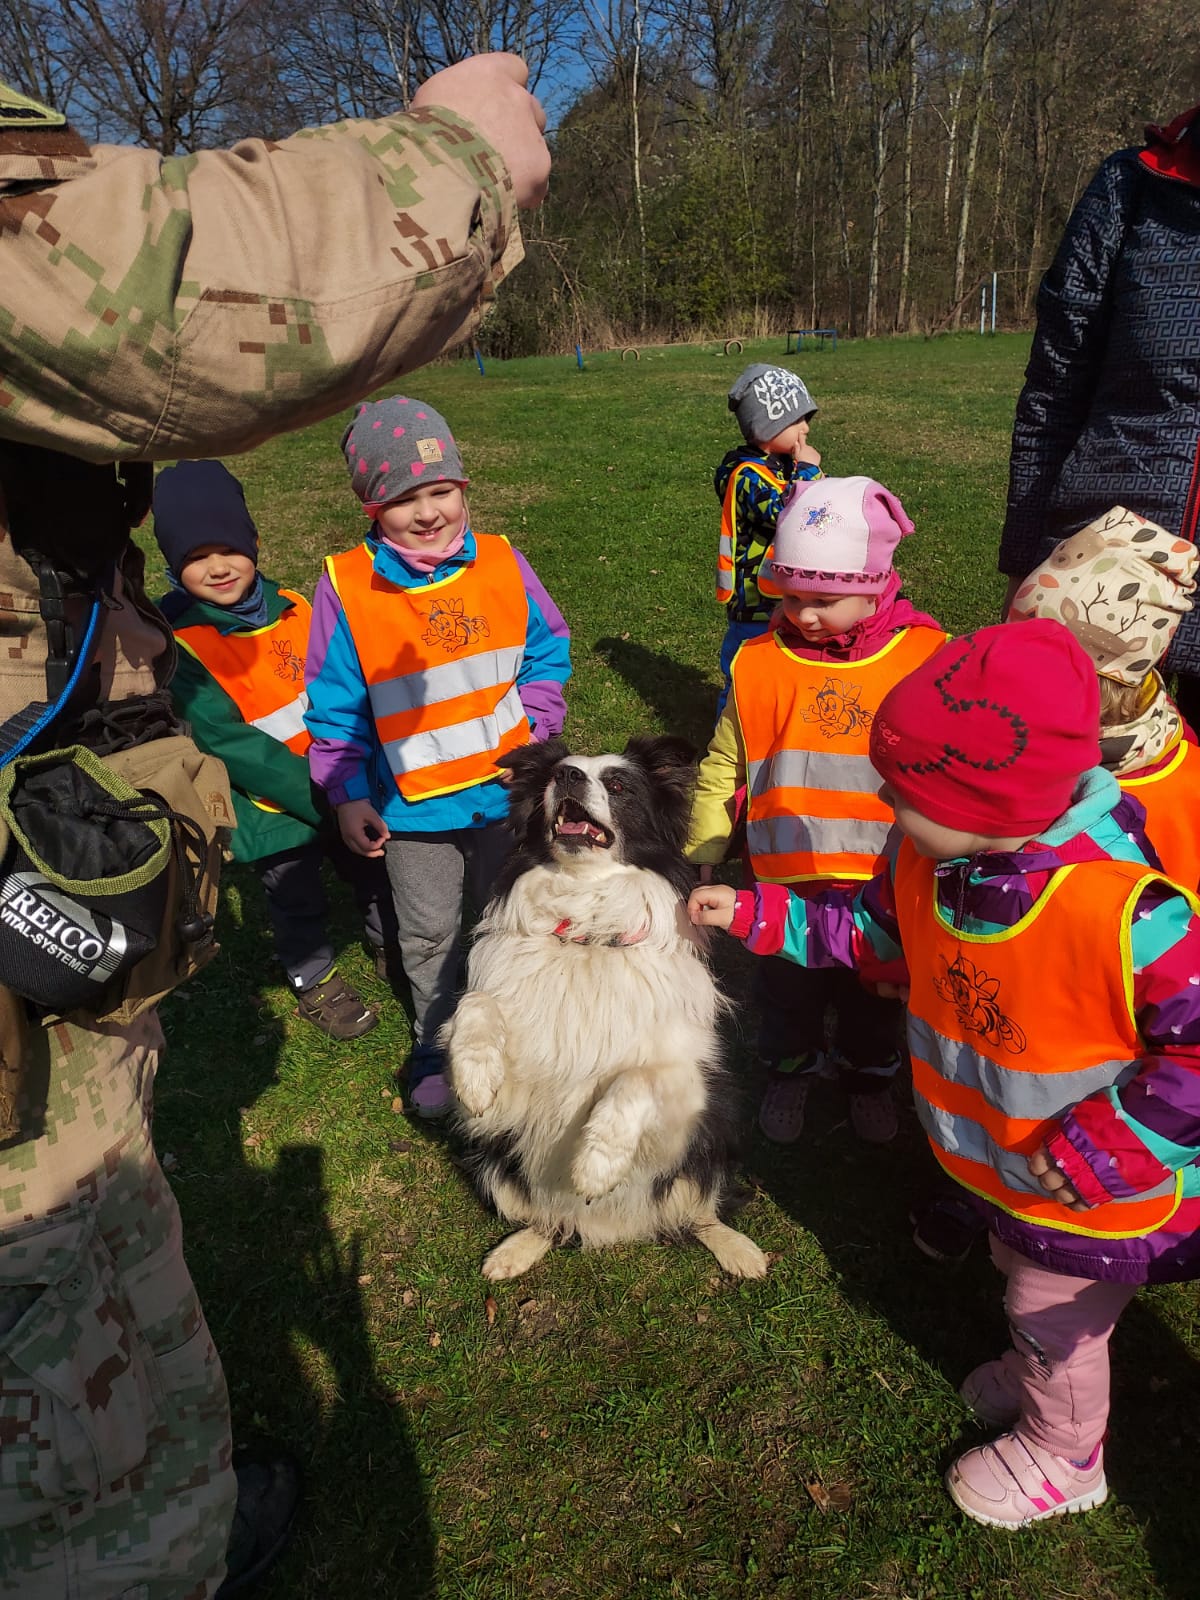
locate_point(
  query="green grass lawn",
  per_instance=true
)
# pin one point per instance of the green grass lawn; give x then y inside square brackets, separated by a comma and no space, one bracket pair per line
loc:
[629,1423]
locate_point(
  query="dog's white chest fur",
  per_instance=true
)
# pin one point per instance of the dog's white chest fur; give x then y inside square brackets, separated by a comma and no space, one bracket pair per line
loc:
[583,1056]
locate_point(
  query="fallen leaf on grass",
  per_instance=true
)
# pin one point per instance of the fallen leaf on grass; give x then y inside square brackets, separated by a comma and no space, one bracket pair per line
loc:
[835,1498]
[364,1277]
[397,1105]
[399,1147]
[252,1141]
[489,1310]
[703,1314]
[408,1298]
[435,1339]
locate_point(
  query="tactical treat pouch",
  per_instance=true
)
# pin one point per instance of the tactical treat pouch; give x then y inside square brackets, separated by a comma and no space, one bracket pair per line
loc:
[99,876]
[83,882]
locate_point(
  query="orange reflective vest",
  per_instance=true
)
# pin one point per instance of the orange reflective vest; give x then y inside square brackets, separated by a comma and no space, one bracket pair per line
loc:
[1171,797]
[262,672]
[727,544]
[1007,1031]
[814,810]
[440,662]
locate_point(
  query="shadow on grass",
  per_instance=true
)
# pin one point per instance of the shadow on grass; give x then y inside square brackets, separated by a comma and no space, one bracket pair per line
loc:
[681,697]
[282,1289]
[855,1199]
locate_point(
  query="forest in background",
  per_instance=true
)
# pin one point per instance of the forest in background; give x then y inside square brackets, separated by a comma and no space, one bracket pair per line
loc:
[722,167]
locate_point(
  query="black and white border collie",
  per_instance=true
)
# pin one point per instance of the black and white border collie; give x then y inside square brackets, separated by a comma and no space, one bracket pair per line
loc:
[584,1055]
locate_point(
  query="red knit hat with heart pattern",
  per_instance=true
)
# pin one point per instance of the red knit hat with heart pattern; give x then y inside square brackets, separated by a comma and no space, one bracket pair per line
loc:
[992,734]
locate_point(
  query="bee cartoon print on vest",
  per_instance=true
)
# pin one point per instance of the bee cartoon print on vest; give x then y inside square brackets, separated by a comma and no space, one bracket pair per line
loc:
[837,711]
[288,665]
[974,997]
[451,628]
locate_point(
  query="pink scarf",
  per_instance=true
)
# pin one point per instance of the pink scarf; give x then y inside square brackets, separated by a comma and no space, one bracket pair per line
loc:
[891,614]
[427,561]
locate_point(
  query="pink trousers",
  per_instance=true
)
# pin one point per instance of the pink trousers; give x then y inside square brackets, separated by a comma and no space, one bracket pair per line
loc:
[1057,1368]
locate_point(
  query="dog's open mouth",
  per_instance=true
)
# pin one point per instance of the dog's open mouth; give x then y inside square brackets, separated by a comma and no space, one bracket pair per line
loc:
[574,828]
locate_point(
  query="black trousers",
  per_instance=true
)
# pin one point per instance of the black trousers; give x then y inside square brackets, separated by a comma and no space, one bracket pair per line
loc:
[299,910]
[865,1031]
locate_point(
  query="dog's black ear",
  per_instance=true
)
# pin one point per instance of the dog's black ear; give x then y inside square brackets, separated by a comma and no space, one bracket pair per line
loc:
[670,764]
[660,753]
[530,766]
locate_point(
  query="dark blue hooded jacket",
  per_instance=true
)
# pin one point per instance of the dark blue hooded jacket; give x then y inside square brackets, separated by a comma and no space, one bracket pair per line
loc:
[1110,411]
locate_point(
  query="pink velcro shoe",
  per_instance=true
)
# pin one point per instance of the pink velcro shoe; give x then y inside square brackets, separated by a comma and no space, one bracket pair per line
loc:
[1009,1483]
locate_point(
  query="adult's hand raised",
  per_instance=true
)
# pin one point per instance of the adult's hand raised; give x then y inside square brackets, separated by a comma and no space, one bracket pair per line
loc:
[489,91]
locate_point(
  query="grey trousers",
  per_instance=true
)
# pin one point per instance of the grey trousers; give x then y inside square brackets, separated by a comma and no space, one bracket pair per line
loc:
[428,873]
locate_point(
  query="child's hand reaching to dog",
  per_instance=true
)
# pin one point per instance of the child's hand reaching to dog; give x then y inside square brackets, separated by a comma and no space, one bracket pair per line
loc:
[711,905]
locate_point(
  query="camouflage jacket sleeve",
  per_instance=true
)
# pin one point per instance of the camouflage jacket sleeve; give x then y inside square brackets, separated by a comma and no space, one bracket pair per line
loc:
[195,305]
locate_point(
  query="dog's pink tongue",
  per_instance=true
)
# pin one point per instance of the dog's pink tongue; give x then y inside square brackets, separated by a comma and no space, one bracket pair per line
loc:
[566,826]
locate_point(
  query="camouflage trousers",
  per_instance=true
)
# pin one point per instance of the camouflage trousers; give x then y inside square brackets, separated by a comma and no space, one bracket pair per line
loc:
[115,1477]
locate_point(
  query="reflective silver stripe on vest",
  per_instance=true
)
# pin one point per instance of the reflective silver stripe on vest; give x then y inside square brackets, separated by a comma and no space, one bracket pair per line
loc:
[285,723]
[813,769]
[1032,1096]
[436,746]
[823,836]
[960,1136]
[434,685]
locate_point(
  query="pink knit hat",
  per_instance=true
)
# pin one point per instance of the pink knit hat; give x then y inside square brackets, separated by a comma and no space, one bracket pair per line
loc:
[837,536]
[992,734]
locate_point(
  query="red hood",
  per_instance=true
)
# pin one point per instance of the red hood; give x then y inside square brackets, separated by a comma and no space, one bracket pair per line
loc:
[1170,152]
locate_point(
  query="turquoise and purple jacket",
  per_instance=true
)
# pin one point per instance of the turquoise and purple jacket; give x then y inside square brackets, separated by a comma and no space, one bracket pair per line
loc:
[346,758]
[1117,1143]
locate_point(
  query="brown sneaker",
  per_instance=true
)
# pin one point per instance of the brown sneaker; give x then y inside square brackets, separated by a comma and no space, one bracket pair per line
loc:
[389,966]
[333,1006]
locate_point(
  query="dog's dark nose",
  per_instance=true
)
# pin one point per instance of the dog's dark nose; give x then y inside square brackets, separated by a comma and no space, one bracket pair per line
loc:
[570,778]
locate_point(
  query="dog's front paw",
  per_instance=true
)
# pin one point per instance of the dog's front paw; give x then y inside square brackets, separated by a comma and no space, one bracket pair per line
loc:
[477,1078]
[474,1045]
[595,1172]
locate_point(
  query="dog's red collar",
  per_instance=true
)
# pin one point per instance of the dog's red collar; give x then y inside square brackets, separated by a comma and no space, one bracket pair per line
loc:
[563,933]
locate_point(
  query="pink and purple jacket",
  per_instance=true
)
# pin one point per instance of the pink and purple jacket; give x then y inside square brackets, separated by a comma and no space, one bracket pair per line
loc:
[1117,1143]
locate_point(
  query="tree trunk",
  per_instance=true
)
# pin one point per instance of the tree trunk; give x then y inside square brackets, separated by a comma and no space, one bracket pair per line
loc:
[987,35]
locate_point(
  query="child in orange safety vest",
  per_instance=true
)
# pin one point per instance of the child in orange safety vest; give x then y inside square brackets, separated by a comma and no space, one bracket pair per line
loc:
[795,735]
[435,650]
[1052,980]
[1121,585]
[774,410]
[240,684]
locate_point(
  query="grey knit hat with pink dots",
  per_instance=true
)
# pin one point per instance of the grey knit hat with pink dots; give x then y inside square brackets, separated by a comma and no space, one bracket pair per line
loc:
[394,445]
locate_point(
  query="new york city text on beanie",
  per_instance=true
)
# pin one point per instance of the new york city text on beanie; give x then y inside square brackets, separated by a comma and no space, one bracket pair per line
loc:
[766,400]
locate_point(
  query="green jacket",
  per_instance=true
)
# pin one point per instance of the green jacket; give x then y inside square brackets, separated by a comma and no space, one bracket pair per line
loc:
[256,763]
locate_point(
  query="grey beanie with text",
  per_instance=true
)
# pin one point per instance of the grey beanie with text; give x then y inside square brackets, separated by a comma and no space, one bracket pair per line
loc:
[766,400]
